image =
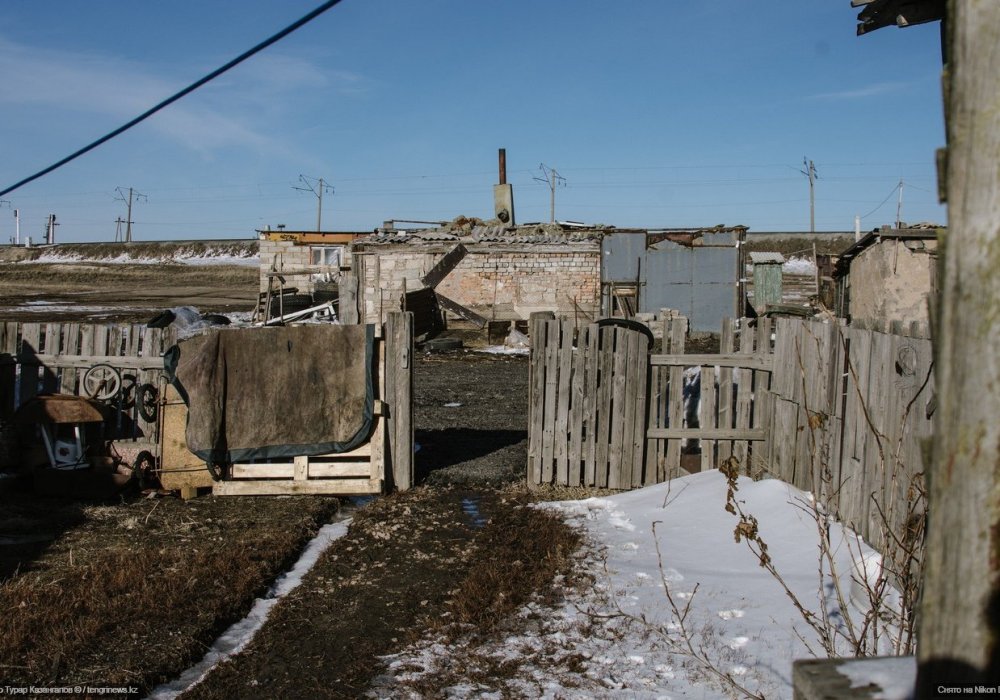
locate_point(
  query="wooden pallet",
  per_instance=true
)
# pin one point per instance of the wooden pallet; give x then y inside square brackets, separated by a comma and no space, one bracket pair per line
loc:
[357,472]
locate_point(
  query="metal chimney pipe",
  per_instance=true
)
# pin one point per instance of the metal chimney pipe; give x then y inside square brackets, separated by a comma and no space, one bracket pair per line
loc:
[503,166]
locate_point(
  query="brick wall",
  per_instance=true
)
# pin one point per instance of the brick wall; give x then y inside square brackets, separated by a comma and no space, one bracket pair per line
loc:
[497,284]
[286,255]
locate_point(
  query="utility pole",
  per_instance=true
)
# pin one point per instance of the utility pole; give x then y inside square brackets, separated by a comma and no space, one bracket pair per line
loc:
[2,202]
[899,207]
[128,216]
[317,186]
[50,230]
[552,178]
[810,172]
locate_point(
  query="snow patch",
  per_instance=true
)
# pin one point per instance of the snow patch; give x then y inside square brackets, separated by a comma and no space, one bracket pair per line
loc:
[235,639]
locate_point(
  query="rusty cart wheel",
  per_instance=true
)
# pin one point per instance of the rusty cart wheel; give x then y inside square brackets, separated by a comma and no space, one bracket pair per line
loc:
[146,470]
[147,401]
[102,382]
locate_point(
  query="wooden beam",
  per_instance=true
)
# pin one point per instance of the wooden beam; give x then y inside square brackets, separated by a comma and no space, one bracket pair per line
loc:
[958,612]
[444,266]
[459,310]
[760,362]
[312,487]
[706,433]
[85,361]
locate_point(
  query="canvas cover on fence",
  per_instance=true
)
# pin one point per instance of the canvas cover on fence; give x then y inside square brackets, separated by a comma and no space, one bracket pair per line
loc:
[258,393]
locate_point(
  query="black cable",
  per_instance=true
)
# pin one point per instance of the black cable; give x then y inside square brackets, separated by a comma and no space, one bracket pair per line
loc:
[170,100]
[883,202]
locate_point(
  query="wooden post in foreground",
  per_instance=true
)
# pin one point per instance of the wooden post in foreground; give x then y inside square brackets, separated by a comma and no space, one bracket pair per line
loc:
[959,639]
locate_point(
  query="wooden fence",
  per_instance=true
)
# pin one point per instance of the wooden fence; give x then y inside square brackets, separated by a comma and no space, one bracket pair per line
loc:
[587,405]
[851,409]
[40,358]
[839,411]
[604,412]
[53,357]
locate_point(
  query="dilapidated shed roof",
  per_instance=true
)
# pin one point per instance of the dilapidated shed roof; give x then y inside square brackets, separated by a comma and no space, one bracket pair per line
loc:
[474,232]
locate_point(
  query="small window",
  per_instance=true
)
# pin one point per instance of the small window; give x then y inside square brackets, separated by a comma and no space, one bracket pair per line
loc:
[327,256]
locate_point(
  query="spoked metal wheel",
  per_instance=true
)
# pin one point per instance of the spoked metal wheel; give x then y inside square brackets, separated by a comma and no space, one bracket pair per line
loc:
[146,470]
[102,382]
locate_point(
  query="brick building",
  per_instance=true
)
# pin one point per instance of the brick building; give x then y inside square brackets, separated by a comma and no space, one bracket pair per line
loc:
[504,273]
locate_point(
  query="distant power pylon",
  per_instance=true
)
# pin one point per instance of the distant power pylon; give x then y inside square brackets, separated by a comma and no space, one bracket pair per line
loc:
[552,178]
[127,199]
[317,186]
[810,172]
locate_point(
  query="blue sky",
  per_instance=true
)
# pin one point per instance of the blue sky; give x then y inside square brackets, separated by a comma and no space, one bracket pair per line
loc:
[657,113]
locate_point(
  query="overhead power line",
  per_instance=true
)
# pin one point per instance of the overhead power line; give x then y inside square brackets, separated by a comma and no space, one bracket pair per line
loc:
[170,100]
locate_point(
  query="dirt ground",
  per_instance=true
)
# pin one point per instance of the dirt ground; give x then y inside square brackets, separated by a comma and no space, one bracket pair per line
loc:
[133,592]
[122,293]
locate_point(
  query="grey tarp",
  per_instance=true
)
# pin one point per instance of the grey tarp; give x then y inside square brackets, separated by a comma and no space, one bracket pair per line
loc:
[257,393]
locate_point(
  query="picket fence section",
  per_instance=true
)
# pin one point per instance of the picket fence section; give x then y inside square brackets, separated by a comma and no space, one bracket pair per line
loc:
[604,412]
[37,358]
[587,405]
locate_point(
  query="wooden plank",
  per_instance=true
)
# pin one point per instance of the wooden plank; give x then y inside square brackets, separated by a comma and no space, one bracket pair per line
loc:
[279,487]
[461,311]
[604,399]
[536,398]
[878,455]
[759,460]
[87,361]
[744,392]
[708,433]
[627,410]
[619,357]
[643,470]
[399,394]
[300,468]
[675,410]
[657,407]
[69,376]
[783,440]
[707,418]
[179,466]
[51,337]
[563,393]
[30,339]
[852,512]
[550,401]
[577,410]
[444,266]
[763,362]
[101,339]
[378,438]
[591,405]
[725,407]
[311,470]
[151,348]
[8,369]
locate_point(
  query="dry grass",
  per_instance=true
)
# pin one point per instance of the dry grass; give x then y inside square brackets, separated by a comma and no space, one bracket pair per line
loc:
[134,600]
[517,556]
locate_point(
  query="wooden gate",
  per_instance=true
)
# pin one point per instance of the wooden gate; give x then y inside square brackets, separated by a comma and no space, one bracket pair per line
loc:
[603,412]
[587,405]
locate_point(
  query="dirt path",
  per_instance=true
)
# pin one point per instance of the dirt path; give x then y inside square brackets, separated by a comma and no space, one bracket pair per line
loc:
[406,559]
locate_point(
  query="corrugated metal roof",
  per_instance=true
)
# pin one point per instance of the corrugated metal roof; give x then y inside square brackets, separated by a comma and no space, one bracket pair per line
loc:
[762,258]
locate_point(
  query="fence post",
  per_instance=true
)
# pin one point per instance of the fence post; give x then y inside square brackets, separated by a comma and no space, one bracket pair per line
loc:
[399,395]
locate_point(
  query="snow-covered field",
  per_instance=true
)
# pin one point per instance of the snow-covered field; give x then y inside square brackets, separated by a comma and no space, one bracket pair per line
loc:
[178,258]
